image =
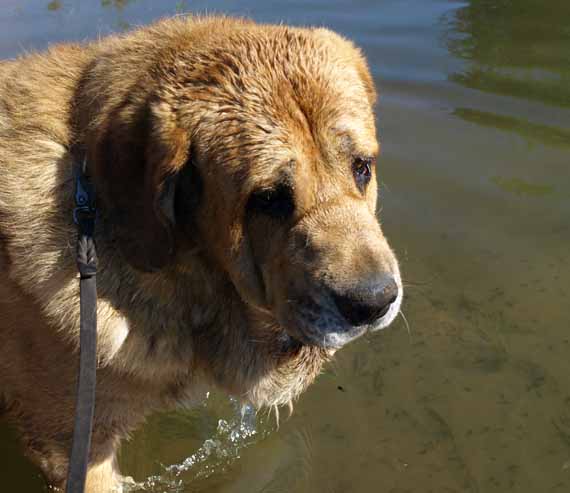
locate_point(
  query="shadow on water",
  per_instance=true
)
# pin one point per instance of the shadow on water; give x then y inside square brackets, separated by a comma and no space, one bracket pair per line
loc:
[515,47]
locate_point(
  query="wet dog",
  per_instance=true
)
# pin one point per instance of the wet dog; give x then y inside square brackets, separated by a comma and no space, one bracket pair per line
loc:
[237,234]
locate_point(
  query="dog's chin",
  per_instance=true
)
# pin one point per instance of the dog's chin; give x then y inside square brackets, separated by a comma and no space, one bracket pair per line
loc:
[333,339]
[324,332]
[328,330]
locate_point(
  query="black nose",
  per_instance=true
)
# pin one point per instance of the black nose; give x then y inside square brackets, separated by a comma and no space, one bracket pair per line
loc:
[366,304]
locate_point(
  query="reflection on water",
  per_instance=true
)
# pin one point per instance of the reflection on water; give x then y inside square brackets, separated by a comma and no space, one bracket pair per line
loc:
[118,4]
[475,123]
[516,47]
[521,187]
[54,5]
[531,132]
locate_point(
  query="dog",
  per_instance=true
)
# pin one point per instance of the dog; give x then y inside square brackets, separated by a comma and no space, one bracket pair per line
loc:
[237,236]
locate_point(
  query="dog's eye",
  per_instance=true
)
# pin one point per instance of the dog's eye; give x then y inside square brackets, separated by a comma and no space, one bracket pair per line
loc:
[276,203]
[362,169]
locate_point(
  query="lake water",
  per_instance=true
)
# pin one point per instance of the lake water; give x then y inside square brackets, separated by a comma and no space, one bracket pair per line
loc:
[474,117]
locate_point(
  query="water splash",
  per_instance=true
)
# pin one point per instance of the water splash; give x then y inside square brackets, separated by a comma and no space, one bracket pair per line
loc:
[213,456]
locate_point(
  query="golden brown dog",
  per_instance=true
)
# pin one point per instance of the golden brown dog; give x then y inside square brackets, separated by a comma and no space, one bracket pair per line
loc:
[237,237]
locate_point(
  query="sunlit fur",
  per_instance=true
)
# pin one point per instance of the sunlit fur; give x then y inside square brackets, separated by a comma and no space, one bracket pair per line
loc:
[192,300]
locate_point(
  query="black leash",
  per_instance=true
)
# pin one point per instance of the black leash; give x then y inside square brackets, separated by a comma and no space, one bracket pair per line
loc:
[84,216]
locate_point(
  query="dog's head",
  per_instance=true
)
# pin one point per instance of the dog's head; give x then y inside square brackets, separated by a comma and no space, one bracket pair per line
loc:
[258,144]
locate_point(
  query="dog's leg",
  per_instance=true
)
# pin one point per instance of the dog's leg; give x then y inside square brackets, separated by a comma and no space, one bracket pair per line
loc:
[38,380]
[104,477]
[103,474]
[52,458]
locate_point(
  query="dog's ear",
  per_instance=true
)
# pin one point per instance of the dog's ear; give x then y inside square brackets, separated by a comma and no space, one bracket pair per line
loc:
[135,160]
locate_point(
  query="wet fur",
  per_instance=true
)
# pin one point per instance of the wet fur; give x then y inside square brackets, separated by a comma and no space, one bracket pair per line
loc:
[172,316]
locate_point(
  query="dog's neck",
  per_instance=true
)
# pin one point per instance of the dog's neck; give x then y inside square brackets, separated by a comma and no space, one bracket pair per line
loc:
[210,334]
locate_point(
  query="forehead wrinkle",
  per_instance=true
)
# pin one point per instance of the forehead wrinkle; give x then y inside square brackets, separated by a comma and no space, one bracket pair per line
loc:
[357,134]
[281,98]
[355,146]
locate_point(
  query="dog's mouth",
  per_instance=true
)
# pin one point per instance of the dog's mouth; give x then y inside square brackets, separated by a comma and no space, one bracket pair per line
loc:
[320,322]
[328,314]
[330,339]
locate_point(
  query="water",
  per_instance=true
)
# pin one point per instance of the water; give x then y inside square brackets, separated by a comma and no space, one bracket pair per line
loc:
[216,453]
[474,117]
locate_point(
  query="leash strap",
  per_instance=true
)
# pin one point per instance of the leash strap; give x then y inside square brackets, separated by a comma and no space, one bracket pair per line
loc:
[84,216]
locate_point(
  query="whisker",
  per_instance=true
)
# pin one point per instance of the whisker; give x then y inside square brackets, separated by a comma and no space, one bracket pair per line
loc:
[407,325]
[406,282]
[413,286]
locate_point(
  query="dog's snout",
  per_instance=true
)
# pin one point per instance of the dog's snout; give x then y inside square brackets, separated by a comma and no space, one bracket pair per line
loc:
[366,304]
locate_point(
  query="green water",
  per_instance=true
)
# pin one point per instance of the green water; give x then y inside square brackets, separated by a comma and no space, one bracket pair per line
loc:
[474,117]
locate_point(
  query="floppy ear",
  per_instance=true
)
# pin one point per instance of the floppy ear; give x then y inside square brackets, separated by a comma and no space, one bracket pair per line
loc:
[135,161]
